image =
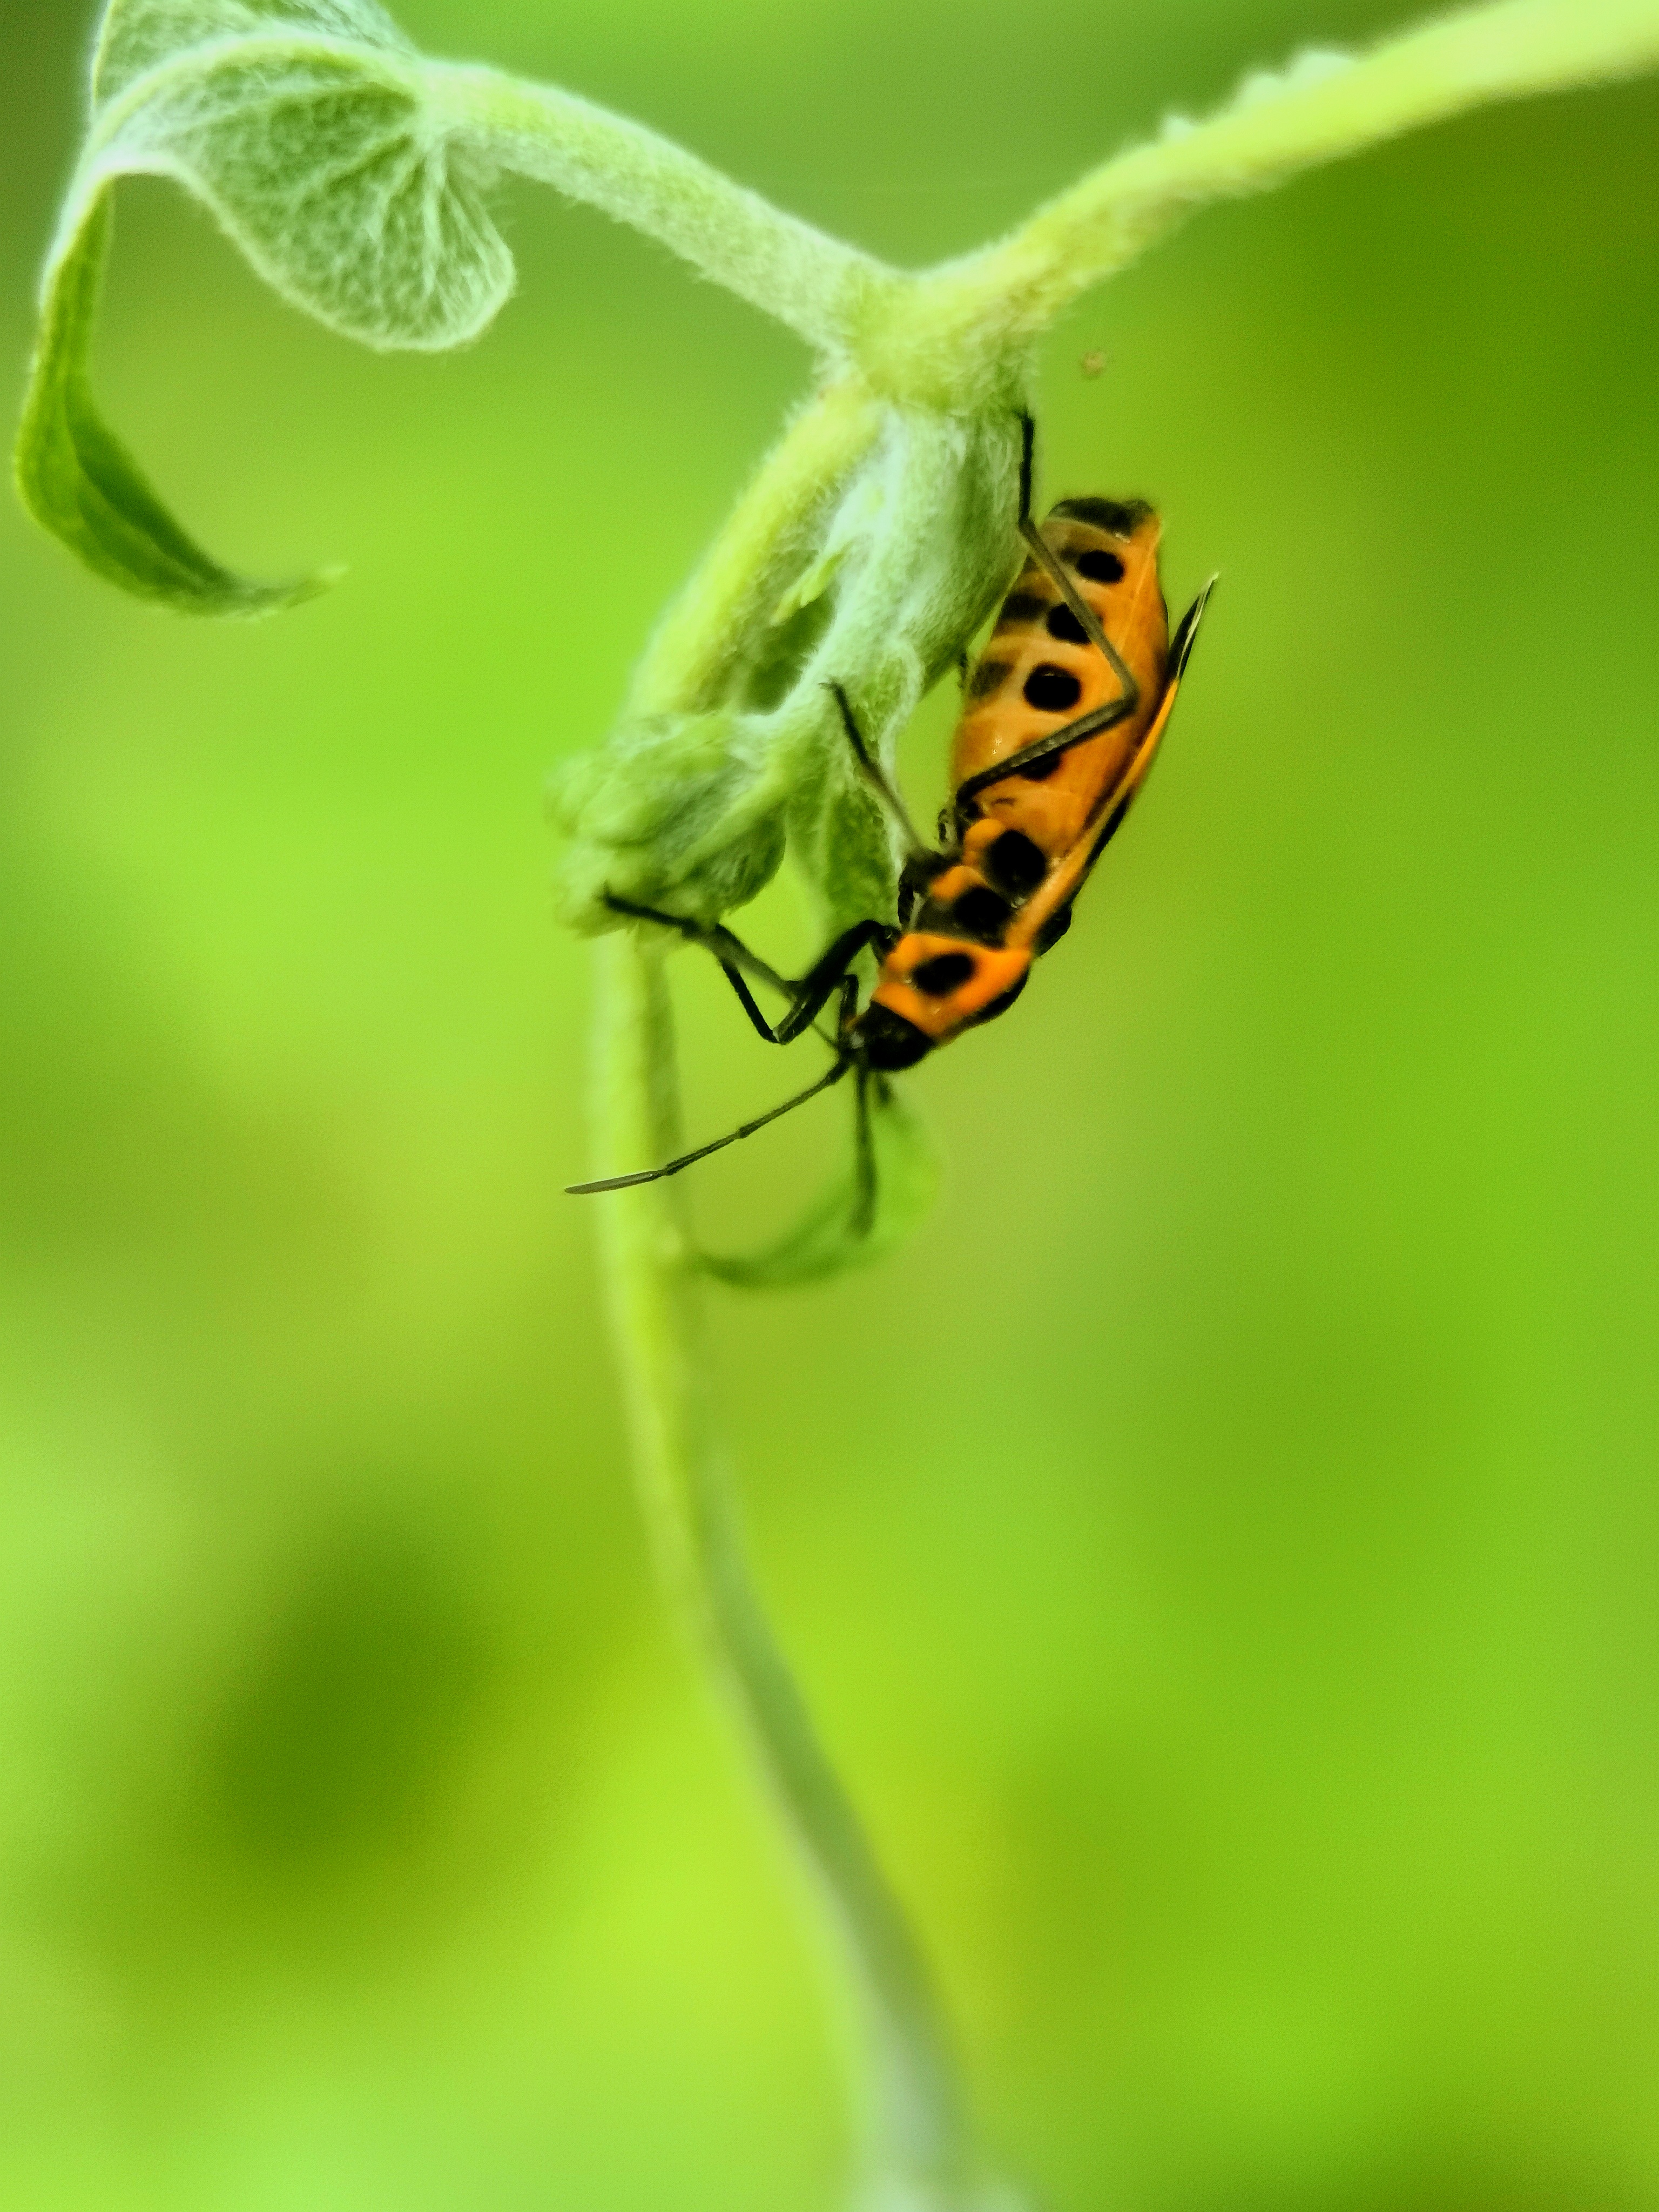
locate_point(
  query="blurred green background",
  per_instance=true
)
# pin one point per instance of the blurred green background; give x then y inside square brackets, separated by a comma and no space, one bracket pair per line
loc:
[1221,1548]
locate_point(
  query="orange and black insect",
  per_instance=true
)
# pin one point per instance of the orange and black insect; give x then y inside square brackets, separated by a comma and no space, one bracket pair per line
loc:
[1062,717]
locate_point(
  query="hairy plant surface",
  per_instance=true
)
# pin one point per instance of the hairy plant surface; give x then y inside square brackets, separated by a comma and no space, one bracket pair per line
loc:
[354,173]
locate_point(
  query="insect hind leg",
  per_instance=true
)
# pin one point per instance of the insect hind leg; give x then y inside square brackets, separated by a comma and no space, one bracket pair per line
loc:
[1027,462]
[1043,554]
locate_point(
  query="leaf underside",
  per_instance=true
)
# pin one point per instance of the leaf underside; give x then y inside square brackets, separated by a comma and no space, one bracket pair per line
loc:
[302,125]
[827,1240]
[79,480]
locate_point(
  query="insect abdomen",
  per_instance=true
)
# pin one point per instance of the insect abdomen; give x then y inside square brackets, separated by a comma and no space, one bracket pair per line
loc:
[1040,672]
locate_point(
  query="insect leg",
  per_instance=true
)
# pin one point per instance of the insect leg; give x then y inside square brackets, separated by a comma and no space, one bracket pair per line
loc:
[1042,553]
[807,996]
[1057,741]
[1027,463]
[729,950]
[1039,923]
[829,973]
[874,773]
[1091,725]
[864,1159]
[832,1075]
[726,949]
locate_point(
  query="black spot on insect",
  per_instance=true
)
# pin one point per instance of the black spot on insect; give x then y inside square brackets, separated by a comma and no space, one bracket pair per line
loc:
[1051,690]
[987,678]
[1099,566]
[944,973]
[1122,517]
[983,913]
[1052,931]
[1019,610]
[1017,864]
[1062,623]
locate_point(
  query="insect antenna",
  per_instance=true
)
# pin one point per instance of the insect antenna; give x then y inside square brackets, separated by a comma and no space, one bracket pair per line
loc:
[687,1159]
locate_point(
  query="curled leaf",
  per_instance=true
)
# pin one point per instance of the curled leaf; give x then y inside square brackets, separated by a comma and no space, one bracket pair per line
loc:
[829,1238]
[77,478]
[320,158]
[137,35]
[304,128]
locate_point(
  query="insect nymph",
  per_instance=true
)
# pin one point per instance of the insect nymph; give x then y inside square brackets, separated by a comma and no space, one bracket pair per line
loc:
[1062,716]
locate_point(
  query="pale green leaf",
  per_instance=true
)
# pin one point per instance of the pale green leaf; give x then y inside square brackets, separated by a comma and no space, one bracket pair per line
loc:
[76,478]
[138,34]
[303,128]
[320,159]
[829,1238]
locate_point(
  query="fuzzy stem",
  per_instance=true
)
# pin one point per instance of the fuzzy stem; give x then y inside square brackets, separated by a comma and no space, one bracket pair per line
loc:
[818,286]
[1322,109]
[920,2148]
[684,665]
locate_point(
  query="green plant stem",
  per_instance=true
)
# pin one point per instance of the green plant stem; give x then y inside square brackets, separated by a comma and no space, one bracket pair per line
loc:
[823,288]
[684,666]
[919,2137]
[1322,109]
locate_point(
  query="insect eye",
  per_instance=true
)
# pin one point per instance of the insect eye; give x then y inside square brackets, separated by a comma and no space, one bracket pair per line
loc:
[944,973]
[1051,690]
[1099,566]
[1063,623]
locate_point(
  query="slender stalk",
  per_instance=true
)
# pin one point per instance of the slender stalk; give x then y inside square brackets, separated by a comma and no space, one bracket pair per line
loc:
[815,284]
[919,2149]
[1322,108]
[685,664]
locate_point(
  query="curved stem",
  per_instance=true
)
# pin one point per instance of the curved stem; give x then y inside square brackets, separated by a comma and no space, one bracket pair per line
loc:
[918,2142]
[815,284]
[1321,108]
[687,662]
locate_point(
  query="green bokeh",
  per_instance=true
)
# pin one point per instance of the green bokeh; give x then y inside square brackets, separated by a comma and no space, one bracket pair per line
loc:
[1222,1548]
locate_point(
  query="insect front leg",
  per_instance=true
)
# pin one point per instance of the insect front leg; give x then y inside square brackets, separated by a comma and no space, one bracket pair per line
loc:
[808,996]
[733,955]
[831,973]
